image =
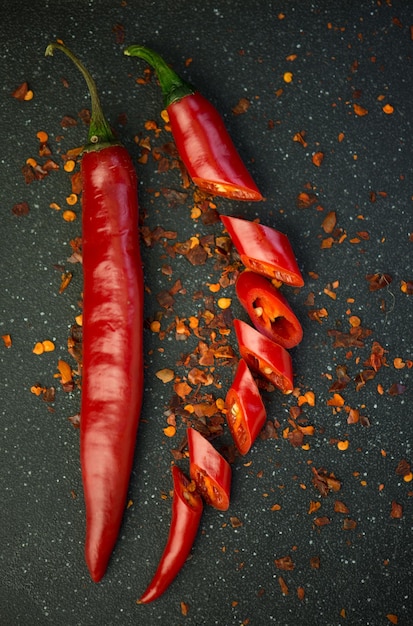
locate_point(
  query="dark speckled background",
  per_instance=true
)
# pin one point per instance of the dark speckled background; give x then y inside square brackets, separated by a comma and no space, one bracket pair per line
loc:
[346,52]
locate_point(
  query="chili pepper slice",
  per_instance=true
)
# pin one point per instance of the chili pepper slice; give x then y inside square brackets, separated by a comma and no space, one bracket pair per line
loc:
[201,138]
[265,356]
[268,309]
[112,375]
[210,471]
[187,509]
[264,250]
[246,412]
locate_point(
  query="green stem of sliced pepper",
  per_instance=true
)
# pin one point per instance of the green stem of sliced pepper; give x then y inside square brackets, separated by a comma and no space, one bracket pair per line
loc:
[174,88]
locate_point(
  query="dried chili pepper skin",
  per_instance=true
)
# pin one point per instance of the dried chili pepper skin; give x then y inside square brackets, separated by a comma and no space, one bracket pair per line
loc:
[112,363]
[209,470]
[200,135]
[264,250]
[187,507]
[246,412]
[264,356]
[268,309]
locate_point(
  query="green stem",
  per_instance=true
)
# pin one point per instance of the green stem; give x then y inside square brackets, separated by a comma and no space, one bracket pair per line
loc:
[174,88]
[100,134]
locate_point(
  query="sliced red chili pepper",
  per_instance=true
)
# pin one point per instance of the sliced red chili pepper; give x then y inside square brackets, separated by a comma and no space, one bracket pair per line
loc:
[201,138]
[210,471]
[246,413]
[268,309]
[264,250]
[187,509]
[112,378]
[265,356]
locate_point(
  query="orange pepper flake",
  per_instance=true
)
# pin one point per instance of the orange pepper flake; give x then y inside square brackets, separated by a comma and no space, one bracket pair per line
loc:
[314,506]
[55,206]
[42,136]
[388,109]
[214,287]
[72,199]
[6,340]
[65,371]
[408,477]
[340,137]
[220,404]
[329,222]
[196,212]
[37,390]
[79,320]
[165,375]
[169,431]
[69,216]
[299,138]
[288,77]
[399,363]
[343,613]
[355,321]
[38,348]
[276,507]
[32,162]
[165,116]
[317,158]
[184,608]
[224,303]
[193,322]
[343,445]
[28,95]
[393,619]
[155,326]
[300,593]
[336,400]
[48,346]
[69,166]
[331,294]
[65,280]
[359,110]
[283,586]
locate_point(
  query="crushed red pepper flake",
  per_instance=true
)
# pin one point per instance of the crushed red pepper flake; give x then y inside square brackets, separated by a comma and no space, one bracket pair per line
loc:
[20,209]
[396,510]
[378,281]
[241,107]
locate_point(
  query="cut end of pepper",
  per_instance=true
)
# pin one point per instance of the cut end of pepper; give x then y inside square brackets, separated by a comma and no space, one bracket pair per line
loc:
[174,88]
[233,192]
[100,134]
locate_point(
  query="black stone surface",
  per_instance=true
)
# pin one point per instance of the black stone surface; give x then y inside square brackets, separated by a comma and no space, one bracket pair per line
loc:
[345,53]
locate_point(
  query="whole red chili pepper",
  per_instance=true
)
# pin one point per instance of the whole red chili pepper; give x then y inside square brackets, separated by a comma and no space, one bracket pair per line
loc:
[264,250]
[187,509]
[201,138]
[210,471]
[268,309]
[265,356]
[246,413]
[112,374]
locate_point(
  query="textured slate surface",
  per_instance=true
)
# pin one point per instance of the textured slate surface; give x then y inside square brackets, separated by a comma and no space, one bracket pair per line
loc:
[346,53]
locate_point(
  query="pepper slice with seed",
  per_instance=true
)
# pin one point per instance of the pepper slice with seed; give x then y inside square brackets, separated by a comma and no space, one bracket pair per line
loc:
[209,470]
[268,309]
[265,356]
[246,413]
[264,250]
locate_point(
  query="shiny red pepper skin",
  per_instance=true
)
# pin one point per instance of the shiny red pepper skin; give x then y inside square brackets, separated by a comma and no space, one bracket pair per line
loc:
[112,364]
[112,378]
[209,470]
[187,509]
[265,356]
[200,135]
[268,309]
[264,250]
[246,413]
